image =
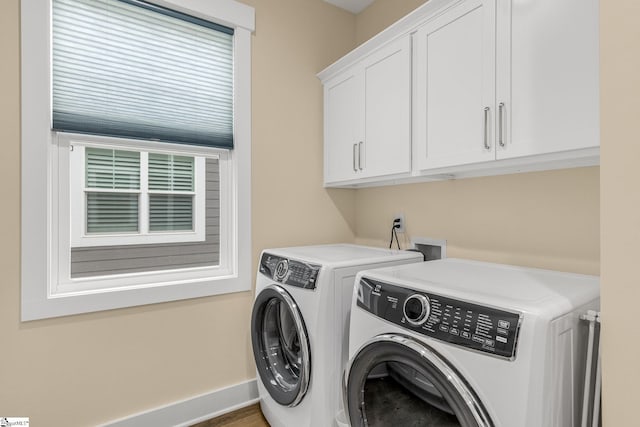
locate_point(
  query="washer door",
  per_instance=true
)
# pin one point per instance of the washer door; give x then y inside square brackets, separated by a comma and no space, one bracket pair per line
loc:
[280,346]
[435,394]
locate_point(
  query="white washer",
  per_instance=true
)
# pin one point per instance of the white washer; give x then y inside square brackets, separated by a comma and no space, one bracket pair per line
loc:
[299,327]
[493,345]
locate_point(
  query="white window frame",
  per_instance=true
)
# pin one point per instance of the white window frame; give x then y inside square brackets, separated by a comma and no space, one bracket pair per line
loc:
[76,184]
[47,290]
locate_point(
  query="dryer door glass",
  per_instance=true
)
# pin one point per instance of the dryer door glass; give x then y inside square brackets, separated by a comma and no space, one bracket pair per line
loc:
[280,346]
[396,380]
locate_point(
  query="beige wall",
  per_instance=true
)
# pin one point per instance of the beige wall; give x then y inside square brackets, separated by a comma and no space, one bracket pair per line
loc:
[380,15]
[547,220]
[86,369]
[620,209]
[294,40]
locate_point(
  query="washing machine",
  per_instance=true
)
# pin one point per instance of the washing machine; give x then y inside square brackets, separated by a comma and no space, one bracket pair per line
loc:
[299,327]
[464,343]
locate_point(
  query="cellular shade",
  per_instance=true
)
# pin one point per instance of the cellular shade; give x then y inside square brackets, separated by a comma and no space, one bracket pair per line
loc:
[130,69]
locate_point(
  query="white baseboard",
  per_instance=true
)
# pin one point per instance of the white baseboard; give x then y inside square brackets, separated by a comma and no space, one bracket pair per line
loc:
[193,410]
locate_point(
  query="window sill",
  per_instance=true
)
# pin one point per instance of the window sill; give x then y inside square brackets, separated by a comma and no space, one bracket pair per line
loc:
[69,303]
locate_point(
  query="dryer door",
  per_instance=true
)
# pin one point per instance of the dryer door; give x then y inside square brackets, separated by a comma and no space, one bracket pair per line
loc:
[280,345]
[397,380]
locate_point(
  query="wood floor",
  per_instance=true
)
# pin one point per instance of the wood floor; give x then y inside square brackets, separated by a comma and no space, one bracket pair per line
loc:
[245,417]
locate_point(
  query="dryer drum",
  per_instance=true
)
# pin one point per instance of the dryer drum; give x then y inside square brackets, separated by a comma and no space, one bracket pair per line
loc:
[280,346]
[454,392]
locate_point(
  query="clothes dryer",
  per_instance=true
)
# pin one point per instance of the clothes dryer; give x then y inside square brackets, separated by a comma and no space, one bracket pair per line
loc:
[299,327]
[464,343]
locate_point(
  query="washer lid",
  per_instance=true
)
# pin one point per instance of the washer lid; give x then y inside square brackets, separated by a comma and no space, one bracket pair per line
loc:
[497,285]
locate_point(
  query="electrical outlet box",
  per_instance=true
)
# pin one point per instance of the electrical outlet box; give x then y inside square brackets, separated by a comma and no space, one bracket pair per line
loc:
[399,219]
[432,249]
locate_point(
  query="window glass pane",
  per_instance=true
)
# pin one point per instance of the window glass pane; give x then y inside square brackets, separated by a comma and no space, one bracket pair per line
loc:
[170,173]
[112,212]
[89,262]
[168,212]
[112,169]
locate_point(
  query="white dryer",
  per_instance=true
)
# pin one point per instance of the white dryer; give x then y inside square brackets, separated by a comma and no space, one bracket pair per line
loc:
[463,343]
[299,327]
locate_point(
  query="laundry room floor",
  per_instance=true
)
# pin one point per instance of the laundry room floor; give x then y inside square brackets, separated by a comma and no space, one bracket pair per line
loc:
[245,417]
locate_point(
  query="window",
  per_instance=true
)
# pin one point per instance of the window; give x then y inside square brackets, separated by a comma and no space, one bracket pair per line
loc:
[127,196]
[136,153]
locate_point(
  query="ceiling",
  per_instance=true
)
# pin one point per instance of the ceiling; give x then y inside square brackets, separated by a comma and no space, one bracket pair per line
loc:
[353,6]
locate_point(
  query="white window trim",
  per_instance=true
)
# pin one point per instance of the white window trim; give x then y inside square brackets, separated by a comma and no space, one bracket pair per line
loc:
[77,195]
[63,286]
[43,294]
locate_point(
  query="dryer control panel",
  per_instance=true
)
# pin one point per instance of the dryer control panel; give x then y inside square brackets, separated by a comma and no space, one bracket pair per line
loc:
[288,271]
[473,326]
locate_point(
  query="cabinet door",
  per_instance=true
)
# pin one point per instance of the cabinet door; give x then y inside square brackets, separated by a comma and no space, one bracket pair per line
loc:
[387,110]
[547,76]
[455,112]
[342,107]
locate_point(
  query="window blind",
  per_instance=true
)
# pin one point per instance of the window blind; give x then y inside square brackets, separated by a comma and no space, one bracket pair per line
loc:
[170,212]
[112,212]
[127,68]
[170,173]
[112,175]
[112,169]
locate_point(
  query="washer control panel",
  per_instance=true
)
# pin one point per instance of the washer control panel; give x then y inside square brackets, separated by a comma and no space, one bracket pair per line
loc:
[457,322]
[288,271]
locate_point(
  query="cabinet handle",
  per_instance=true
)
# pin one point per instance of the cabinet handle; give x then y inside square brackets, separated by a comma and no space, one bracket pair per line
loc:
[360,155]
[486,129]
[501,124]
[355,147]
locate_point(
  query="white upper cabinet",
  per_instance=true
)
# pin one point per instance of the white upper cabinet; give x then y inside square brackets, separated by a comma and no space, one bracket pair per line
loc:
[368,116]
[506,79]
[547,76]
[341,118]
[455,86]
[387,110]
[462,88]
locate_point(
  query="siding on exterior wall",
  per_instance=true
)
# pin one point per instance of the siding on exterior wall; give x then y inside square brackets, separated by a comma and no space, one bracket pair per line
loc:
[86,262]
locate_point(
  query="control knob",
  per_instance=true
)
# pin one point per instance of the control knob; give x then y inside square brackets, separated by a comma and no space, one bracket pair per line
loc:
[416,309]
[281,270]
